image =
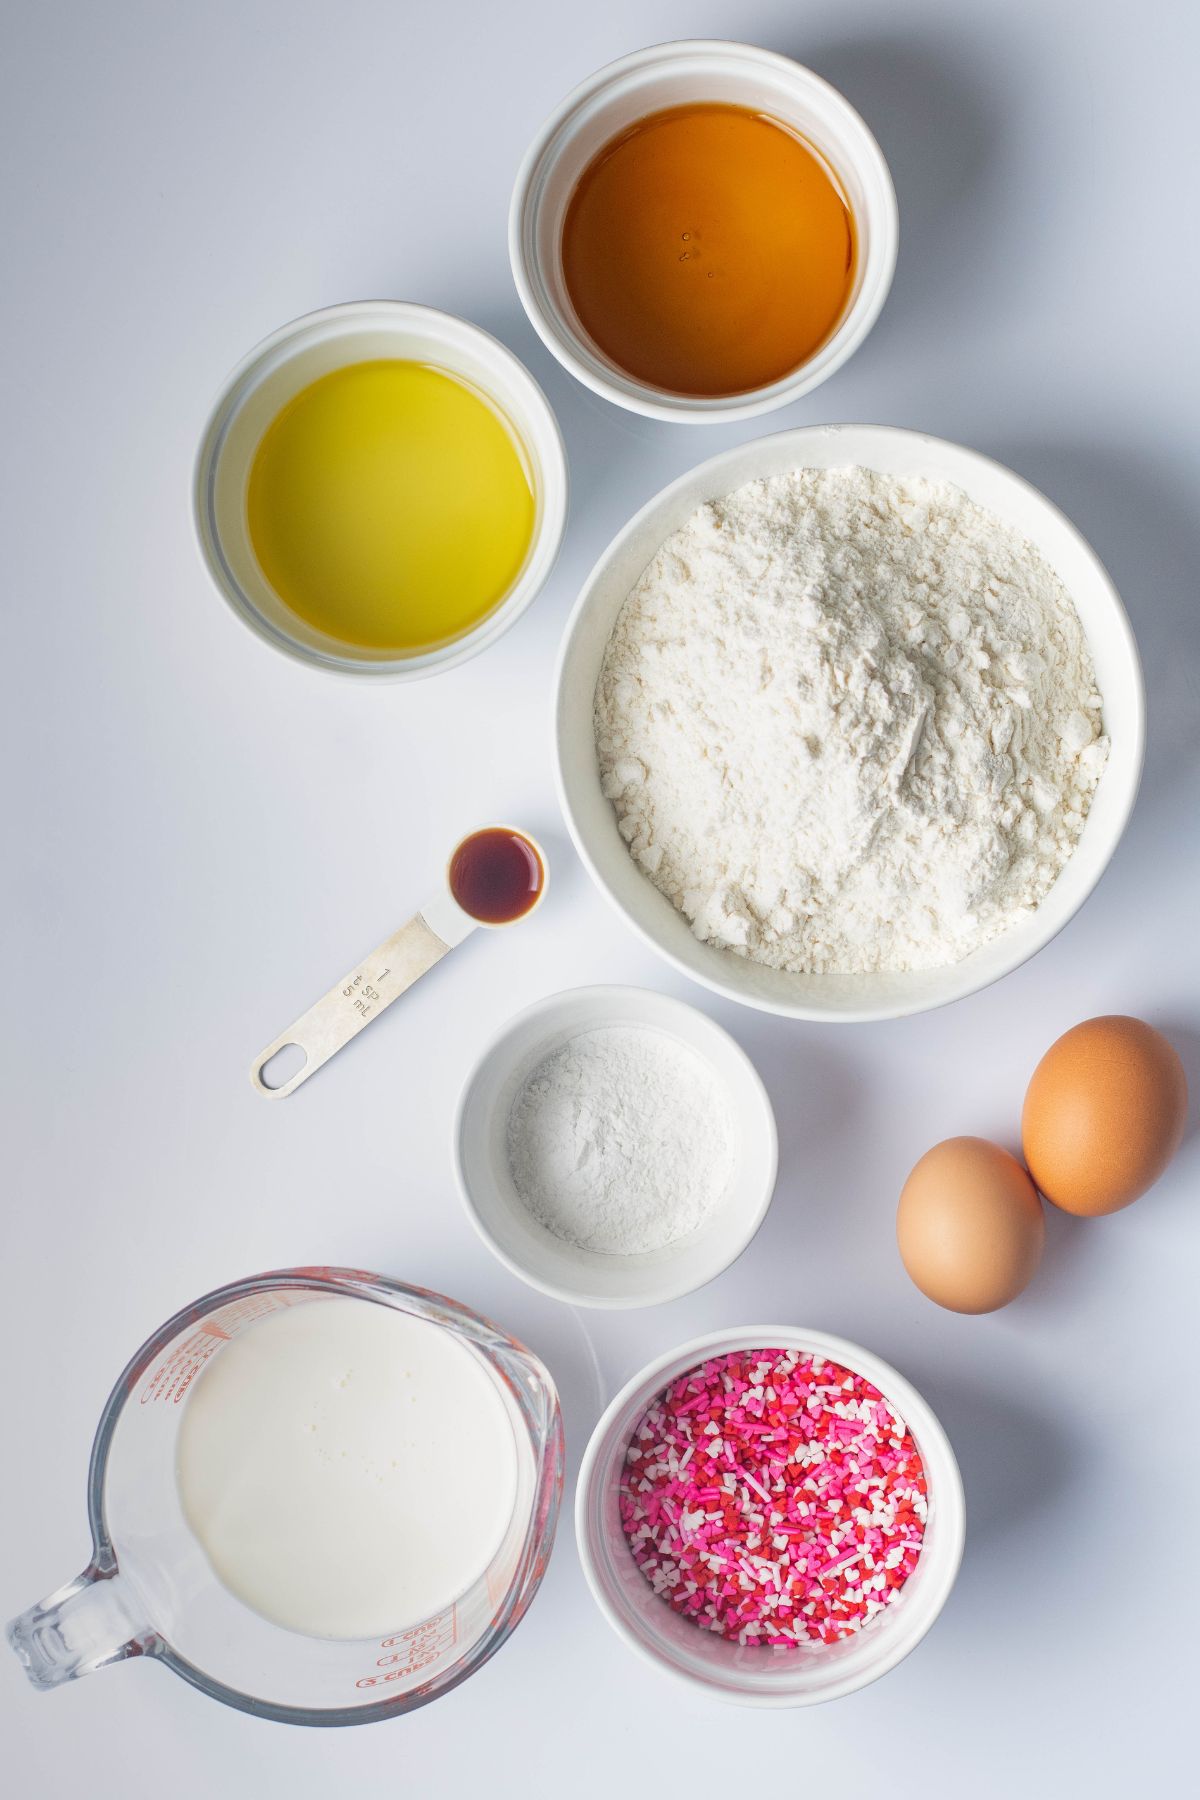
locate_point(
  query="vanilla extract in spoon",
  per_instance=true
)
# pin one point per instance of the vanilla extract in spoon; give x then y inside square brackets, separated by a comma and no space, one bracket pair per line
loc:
[495,877]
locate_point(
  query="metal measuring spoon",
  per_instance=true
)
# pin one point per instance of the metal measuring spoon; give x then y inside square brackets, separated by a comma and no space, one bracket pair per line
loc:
[495,876]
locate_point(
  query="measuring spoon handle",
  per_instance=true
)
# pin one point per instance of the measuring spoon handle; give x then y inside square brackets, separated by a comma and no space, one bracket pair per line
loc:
[358,998]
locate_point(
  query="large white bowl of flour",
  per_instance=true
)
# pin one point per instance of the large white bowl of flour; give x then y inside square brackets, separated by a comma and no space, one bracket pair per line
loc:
[707,822]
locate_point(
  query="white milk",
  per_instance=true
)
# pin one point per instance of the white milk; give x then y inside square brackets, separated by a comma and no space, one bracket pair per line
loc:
[348,1469]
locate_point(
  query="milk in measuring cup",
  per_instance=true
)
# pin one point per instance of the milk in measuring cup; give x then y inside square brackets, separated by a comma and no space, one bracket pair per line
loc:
[348,1469]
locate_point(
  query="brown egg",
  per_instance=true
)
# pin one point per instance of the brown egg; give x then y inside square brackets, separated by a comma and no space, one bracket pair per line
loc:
[970,1225]
[1104,1115]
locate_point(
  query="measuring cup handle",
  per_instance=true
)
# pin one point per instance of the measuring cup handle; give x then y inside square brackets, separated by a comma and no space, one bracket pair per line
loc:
[80,1627]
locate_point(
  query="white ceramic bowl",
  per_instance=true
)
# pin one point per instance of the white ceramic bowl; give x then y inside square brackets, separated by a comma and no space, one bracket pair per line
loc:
[586,1277]
[285,363]
[678,75]
[593,823]
[762,1676]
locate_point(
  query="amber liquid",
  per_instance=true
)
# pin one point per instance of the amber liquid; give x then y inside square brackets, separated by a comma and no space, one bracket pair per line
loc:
[496,875]
[708,250]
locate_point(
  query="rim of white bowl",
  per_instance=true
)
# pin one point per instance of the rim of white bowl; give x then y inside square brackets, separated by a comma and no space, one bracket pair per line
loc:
[544,547]
[668,1005]
[587,363]
[1134,756]
[918,1415]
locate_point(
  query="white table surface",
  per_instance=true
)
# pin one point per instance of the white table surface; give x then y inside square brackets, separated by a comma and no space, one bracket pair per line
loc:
[202,835]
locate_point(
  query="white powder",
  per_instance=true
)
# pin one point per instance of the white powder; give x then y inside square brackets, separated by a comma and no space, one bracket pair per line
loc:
[849,722]
[621,1140]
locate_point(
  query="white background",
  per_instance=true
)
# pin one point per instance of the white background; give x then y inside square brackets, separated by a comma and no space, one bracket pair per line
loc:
[202,835]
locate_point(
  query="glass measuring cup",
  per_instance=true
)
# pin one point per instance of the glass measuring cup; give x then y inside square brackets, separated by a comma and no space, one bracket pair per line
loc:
[149,1590]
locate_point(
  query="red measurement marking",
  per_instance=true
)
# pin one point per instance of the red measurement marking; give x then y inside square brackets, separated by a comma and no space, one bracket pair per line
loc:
[409,1651]
[180,1367]
[172,1379]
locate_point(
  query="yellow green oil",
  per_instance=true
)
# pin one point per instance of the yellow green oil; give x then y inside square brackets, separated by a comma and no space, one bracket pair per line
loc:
[389,506]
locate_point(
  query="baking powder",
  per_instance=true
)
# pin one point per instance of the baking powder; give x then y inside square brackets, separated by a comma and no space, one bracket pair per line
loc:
[621,1140]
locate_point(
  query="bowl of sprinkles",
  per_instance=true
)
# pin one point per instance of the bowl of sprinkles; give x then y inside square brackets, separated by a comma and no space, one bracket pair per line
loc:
[771,1514]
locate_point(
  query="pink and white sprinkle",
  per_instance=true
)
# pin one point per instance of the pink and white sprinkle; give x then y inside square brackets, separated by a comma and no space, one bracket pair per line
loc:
[774,1497]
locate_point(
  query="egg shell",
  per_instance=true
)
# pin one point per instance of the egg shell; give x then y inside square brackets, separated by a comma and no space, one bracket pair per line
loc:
[1104,1114]
[970,1225]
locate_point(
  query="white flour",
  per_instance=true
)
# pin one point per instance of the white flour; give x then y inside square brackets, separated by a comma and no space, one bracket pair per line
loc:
[849,722]
[620,1140]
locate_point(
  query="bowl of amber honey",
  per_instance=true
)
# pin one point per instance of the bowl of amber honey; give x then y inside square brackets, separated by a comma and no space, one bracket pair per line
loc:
[703,231]
[381,490]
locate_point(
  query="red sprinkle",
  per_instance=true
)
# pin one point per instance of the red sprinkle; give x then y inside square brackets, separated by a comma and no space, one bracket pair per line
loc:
[774,1497]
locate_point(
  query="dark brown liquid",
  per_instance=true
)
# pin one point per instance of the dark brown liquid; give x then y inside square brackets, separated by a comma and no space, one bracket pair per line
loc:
[496,875]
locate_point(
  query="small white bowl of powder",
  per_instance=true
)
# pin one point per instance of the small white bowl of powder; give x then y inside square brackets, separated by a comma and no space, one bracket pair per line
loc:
[615,1147]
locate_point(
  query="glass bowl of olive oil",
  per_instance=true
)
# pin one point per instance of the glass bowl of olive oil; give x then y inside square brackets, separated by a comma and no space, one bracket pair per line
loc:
[381,489]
